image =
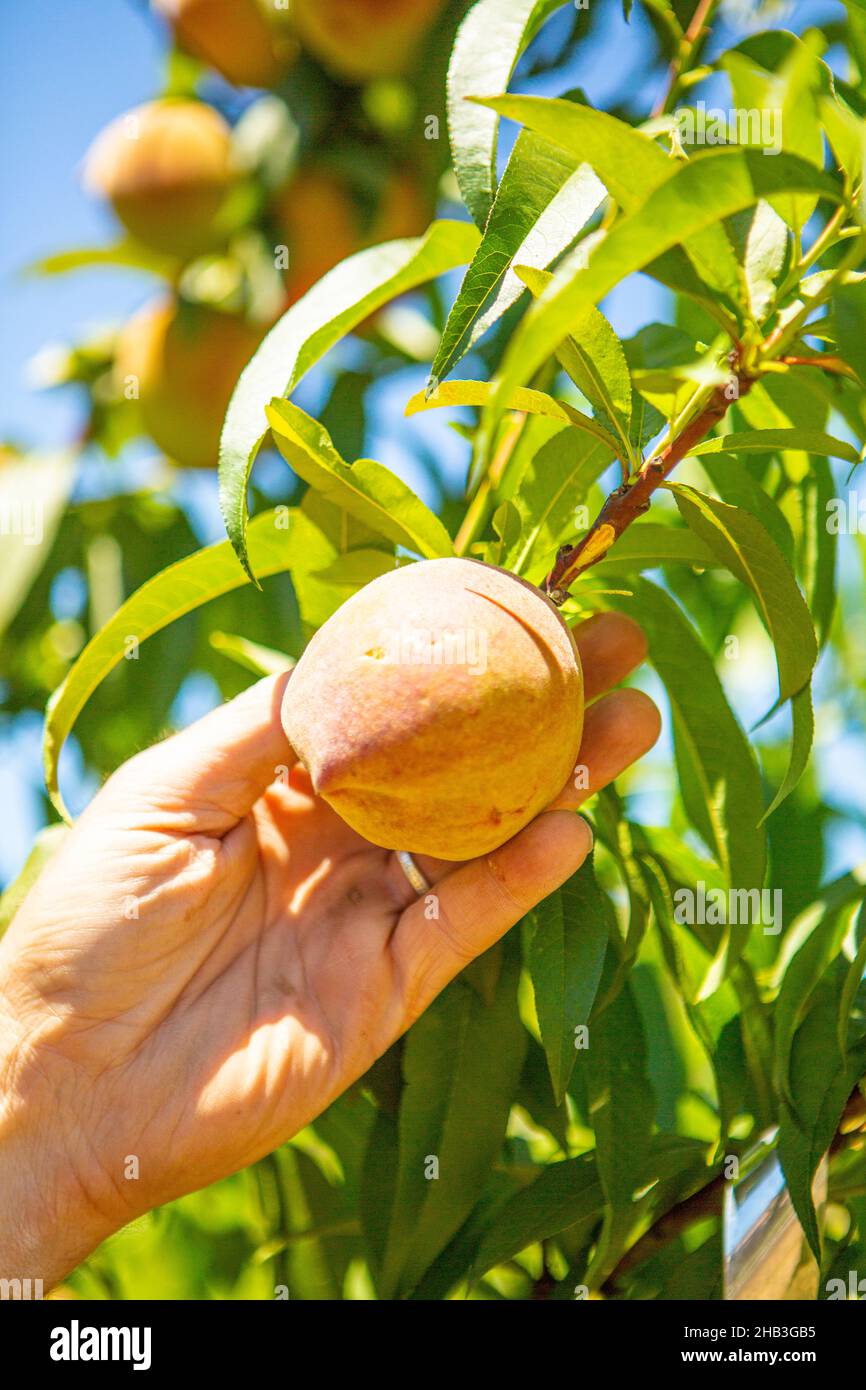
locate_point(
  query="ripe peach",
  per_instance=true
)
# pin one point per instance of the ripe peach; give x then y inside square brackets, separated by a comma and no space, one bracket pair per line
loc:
[320,222]
[362,39]
[183,361]
[165,167]
[440,708]
[244,40]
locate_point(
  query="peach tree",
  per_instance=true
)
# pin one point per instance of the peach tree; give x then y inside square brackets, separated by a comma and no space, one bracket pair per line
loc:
[586,1088]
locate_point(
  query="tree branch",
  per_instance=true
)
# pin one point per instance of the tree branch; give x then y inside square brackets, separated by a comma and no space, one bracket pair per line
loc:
[629,501]
[689,49]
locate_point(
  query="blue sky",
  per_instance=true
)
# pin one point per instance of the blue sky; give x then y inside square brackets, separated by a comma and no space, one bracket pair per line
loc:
[68,69]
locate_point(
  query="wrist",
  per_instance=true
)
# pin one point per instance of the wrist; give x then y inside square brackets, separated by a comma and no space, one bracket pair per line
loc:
[47,1224]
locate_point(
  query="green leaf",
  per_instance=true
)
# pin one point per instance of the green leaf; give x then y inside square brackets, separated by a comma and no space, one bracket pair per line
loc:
[556,481]
[562,1194]
[788,96]
[473,393]
[566,956]
[540,207]
[747,549]
[631,165]
[507,525]
[455,1262]
[737,486]
[622,1101]
[743,544]
[849,312]
[812,943]
[366,490]
[772,441]
[461,1066]
[45,846]
[376,1195]
[648,544]
[819,545]
[338,303]
[696,196]
[593,357]
[802,738]
[646,422]
[854,976]
[847,135]
[820,1084]
[356,568]
[262,661]
[489,42]
[128,254]
[179,589]
[34,490]
[760,238]
[723,796]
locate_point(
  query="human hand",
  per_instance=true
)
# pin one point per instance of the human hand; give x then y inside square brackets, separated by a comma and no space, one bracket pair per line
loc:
[214,956]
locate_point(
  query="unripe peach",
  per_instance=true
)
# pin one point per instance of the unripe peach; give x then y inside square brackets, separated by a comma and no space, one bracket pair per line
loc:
[440,709]
[165,167]
[182,361]
[362,39]
[246,41]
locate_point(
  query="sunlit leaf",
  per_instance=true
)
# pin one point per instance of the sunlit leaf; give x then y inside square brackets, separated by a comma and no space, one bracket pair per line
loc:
[365,489]
[566,955]
[488,45]
[338,303]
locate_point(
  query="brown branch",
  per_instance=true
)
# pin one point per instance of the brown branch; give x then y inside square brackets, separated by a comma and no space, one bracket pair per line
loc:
[631,499]
[706,1202]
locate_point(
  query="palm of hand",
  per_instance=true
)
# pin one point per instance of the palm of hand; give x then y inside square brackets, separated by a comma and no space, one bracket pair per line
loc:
[214,956]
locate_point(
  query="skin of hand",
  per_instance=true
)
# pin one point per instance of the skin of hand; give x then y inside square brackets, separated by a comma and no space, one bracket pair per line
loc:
[213,957]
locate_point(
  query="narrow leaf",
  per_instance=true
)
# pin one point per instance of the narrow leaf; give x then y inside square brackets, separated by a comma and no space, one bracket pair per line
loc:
[338,303]
[474,393]
[773,441]
[489,42]
[366,490]
[746,548]
[535,176]
[561,1195]
[566,956]
[461,1064]
[179,589]
[696,196]
[726,803]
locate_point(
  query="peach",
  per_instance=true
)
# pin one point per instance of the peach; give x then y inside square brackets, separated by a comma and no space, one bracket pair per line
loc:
[361,39]
[165,167]
[440,709]
[182,362]
[246,41]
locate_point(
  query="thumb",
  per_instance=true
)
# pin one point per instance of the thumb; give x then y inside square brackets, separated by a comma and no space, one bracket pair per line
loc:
[209,776]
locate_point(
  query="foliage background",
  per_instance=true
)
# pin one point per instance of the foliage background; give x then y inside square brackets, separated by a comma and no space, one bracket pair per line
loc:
[295,1218]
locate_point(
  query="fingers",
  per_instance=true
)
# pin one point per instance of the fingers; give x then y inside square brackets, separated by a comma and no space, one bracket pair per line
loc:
[476,904]
[611,646]
[207,777]
[618,729]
